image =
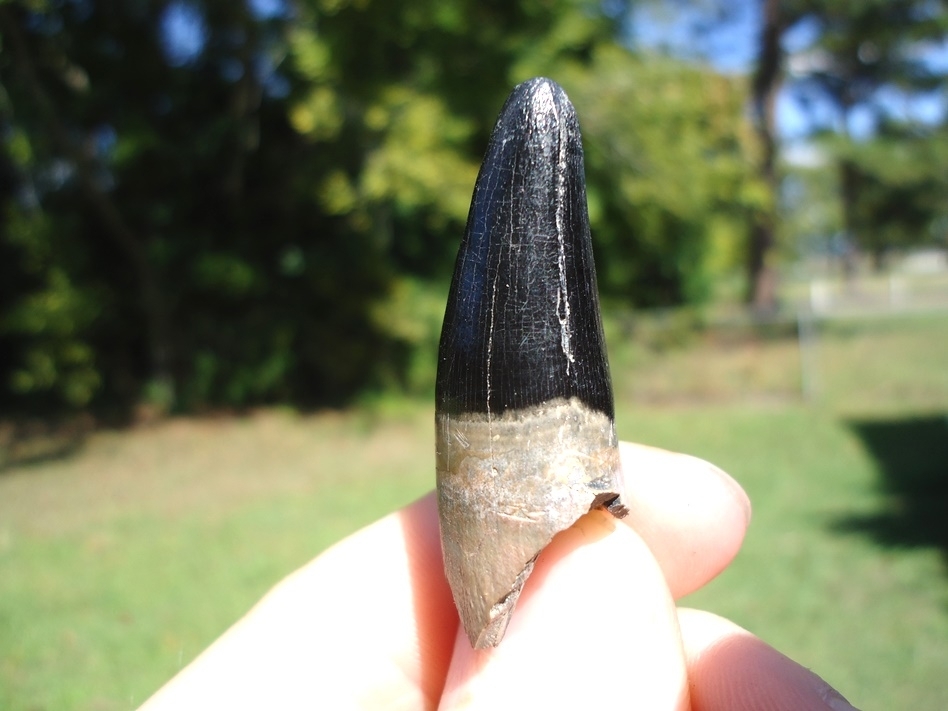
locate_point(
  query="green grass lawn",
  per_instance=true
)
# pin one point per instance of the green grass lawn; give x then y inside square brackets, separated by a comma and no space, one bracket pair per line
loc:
[121,560]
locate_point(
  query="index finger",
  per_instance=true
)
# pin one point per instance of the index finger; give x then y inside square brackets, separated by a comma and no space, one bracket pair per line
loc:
[692,515]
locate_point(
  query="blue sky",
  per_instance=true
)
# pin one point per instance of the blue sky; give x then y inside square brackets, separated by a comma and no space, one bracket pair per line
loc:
[675,27]
[731,47]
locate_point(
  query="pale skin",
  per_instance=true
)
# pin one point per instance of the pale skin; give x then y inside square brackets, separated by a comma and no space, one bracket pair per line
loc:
[370,623]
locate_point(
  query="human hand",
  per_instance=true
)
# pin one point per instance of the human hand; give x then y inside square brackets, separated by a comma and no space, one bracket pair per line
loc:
[370,623]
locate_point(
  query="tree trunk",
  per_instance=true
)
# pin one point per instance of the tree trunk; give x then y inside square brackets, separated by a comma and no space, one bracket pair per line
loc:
[761,275]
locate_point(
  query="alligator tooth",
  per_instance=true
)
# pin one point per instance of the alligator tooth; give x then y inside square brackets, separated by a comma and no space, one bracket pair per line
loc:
[525,427]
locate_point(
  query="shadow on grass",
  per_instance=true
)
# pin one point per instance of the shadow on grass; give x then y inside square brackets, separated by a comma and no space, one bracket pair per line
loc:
[23,444]
[912,458]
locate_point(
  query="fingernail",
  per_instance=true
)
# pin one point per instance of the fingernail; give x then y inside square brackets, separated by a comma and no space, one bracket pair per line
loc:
[834,699]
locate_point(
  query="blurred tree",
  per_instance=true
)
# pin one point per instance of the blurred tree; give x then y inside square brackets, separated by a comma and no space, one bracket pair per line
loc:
[766,83]
[872,61]
[702,32]
[899,189]
[668,148]
[401,98]
[157,178]
[669,161]
[810,219]
[864,71]
[218,203]
[202,199]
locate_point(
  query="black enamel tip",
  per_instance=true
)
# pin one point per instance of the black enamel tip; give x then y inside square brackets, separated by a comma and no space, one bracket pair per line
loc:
[522,325]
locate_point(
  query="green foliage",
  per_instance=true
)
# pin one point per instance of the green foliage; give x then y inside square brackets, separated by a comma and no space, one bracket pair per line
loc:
[877,58]
[864,46]
[412,315]
[901,189]
[810,211]
[43,327]
[419,86]
[899,193]
[670,167]
[271,216]
[54,359]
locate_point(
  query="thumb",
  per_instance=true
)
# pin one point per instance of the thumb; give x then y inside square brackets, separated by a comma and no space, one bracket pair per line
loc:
[595,620]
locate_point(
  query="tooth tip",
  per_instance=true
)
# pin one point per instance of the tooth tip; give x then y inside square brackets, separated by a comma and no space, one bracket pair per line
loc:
[540,88]
[537,101]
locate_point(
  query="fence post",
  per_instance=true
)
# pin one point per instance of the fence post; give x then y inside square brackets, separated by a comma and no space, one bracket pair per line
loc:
[807,339]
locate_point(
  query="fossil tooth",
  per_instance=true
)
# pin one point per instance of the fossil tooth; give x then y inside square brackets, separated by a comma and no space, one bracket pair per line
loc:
[525,428]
